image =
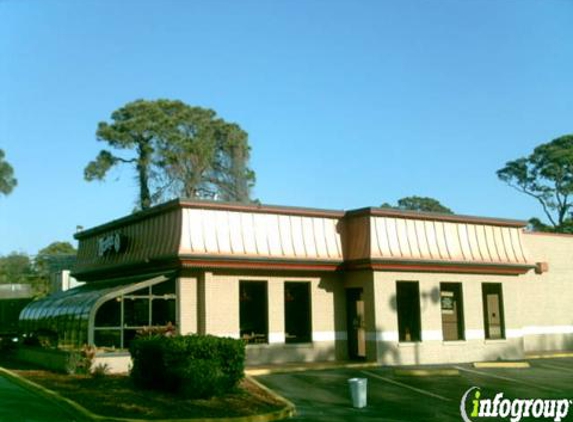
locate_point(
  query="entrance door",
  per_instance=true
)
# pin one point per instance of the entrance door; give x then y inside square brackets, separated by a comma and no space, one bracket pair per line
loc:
[493,311]
[356,323]
[452,311]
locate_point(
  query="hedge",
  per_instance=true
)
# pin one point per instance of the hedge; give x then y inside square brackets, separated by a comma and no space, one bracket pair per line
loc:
[194,366]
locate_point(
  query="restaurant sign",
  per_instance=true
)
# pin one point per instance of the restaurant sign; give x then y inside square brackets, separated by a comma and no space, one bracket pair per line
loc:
[110,244]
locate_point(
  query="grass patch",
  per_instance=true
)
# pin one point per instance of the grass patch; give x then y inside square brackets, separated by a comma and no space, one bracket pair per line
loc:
[116,396]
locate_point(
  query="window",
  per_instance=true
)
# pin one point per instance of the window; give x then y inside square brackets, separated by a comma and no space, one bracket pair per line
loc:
[162,311]
[109,314]
[136,312]
[297,313]
[118,320]
[494,323]
[253,311]
[408,306]
[452,307]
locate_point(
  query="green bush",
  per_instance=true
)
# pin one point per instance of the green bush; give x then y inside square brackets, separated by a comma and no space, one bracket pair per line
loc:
[194,366]
[81,361]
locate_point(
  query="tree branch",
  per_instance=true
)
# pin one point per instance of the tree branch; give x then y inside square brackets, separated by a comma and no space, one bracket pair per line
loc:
[538,197]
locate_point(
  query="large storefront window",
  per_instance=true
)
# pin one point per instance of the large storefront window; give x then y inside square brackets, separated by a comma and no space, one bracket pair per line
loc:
[408,305]
[118,320]
[253,310]
[107,313]
[452,307]
[297,313]
[493,311]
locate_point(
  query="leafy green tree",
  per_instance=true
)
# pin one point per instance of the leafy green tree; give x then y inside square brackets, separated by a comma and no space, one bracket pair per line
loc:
[547,176]
[7,180]
[53,257]
[419,203]
[135,127]
[20,268]
[205,157]
[16,268]
[177,150]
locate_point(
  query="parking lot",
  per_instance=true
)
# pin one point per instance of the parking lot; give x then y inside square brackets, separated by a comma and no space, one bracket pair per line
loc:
[323,395]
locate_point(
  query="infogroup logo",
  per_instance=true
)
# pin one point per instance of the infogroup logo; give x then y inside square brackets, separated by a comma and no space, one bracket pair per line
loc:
[514,409]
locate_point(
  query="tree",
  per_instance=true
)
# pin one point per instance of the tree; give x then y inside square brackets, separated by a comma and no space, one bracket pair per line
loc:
[16,268]
[546,175]
[54,256]
[19,268]
[419,203]
[7,180]
[179,151]
[135,127]
[205,157]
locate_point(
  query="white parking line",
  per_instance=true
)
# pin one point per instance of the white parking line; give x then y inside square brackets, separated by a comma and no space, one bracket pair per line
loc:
[409,387]
[501,377]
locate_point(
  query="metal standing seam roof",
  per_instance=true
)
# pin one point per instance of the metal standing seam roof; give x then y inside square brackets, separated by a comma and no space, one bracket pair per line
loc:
[247,234]
[197,234]
[399,238]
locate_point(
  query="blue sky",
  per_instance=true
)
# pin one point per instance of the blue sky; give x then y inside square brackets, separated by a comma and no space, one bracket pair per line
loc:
[347,103]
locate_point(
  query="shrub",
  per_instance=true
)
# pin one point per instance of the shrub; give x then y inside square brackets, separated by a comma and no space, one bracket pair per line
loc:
[168,330]
[100,370]
[194,366]
[81,361]
[148,369]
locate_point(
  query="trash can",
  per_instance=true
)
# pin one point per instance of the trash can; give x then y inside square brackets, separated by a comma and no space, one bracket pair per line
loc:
[358,391]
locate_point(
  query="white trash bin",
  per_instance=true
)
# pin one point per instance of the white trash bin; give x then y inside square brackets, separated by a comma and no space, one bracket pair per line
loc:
[358,391]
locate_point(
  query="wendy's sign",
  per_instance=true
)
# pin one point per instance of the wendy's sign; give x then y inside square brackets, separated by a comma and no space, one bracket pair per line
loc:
[110,244]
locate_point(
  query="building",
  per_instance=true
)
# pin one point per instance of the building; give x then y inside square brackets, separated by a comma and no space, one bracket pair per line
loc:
[315,285]
[59,266]
[62,280]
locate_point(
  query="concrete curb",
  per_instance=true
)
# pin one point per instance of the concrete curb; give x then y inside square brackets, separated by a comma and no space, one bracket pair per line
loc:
[427,372]
[85,415]
[511,365]
[290,409]
[256,372]
[550,355]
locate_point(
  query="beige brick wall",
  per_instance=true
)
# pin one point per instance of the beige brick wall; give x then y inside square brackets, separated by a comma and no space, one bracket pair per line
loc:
[432,348]
[547,298]
[221,306]
[537,311]
[187,311]
[222,315]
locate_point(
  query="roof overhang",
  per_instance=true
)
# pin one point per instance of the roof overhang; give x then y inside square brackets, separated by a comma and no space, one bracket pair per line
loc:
[438,266]
[233,262]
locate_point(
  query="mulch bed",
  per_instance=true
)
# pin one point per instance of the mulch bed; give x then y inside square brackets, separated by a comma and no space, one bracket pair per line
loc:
[115,395]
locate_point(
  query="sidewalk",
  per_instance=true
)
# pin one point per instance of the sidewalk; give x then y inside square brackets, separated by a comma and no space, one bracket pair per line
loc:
[259,370]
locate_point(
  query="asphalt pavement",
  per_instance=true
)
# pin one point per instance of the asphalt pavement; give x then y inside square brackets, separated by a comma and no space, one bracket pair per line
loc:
[324,395]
